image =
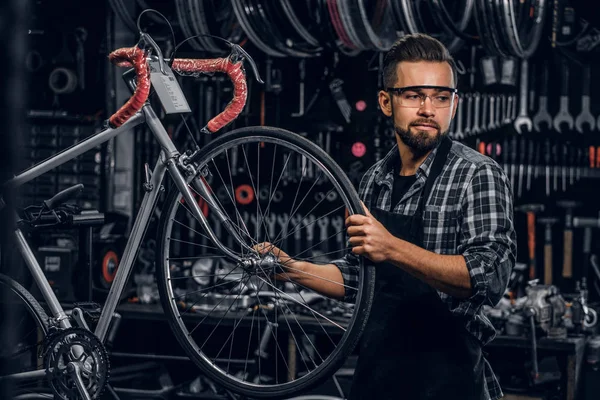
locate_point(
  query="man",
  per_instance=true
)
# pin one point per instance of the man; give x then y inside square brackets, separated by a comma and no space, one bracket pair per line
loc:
[439,229]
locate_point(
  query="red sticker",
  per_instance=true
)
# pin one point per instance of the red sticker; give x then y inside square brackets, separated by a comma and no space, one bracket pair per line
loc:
[361,105]
[359,149]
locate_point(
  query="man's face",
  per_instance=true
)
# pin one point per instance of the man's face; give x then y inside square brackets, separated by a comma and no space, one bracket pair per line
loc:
[420,128]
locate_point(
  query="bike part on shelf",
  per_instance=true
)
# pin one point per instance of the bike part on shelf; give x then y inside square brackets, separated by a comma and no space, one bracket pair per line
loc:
[76,352]
[272,309]
[19,351]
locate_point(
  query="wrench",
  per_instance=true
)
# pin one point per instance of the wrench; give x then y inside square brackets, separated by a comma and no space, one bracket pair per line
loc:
[523,119]
[585,117]
[492,124]
[498,111]
[476,130]
[323,225]
[458,133]
[338,225]
[485,109]
[469,108]
[543,116]
[81,36]
[563,115]
[508,111]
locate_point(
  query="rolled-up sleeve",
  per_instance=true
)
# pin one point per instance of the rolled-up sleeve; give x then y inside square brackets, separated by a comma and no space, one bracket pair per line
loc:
[349,266]
[488,239]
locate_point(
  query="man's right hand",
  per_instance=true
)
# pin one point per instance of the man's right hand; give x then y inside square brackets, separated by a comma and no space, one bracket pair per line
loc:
[288,264]
[322,278]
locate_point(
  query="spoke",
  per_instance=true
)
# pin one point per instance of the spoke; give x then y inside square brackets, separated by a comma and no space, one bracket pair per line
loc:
[309,224]
[315,245]
[207,256]
[325,254]
[321,278]
[192,243]
[198,276]
[256,195]
[222,317]
[308,213]
[287,223]
[193,230]
[249,340]
[237,212]
[204,295]
[232,332]
[302,304]
[279,179]
[261,309]
[211,287]
[297,322]
[229,195]
[189,227]
[267,210]
[320,324]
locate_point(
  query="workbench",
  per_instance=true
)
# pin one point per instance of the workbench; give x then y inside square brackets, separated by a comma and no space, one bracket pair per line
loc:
[571,350]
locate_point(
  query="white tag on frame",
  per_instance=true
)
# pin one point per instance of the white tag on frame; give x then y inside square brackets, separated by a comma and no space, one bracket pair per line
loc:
[167,88]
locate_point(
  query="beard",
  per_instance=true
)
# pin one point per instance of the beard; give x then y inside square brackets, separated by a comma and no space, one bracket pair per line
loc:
[420,142]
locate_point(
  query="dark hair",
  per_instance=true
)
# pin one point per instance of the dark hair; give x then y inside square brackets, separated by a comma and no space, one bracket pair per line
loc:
[413,48]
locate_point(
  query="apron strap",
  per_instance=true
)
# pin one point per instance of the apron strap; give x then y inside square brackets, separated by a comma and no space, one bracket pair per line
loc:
[435,171]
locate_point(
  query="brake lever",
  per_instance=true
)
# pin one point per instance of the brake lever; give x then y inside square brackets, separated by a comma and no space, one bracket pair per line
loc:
[236,48]
[161,60]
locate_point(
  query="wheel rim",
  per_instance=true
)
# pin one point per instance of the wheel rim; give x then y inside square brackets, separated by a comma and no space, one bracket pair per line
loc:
[23,344]
[279,309]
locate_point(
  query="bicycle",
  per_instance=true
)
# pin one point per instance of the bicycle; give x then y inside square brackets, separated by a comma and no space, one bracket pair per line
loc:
[231,288]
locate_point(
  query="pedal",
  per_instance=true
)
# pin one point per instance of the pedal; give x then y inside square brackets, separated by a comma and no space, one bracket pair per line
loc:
[91,310]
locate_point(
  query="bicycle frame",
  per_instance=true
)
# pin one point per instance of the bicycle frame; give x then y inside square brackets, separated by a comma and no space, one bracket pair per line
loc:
[167,161]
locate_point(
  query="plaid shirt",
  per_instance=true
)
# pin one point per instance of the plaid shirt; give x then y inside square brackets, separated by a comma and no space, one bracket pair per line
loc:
[469,212]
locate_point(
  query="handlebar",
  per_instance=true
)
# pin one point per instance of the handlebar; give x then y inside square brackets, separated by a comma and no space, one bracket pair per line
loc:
[232,65]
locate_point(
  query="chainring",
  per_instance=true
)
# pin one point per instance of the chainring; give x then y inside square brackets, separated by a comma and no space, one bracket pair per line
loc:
[93,363]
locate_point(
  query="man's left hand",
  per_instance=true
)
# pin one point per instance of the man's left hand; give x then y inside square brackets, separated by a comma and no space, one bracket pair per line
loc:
[368,237]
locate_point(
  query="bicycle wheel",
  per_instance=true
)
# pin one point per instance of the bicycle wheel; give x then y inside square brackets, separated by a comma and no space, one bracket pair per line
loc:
[255,335]
[20,346]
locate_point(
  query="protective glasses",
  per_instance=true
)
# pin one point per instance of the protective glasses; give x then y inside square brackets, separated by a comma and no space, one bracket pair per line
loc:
[413,96]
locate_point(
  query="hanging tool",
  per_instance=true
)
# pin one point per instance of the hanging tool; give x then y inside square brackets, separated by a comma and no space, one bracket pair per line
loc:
[568,237]
[523,120]
[543,116]
[585,116]
[80,36]
[531,210]
[548,252]
[522,153]
[564,116]
[476,130]
[547,166]
[531,164]
[302,68]
[492,123]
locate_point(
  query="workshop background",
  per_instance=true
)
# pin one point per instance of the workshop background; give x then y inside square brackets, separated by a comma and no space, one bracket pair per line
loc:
[529,99]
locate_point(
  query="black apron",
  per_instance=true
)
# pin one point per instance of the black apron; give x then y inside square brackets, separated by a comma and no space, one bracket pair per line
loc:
[412,346]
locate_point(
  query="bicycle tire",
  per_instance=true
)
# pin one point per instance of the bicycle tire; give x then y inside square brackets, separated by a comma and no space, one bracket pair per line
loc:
[33,307]
[349,338]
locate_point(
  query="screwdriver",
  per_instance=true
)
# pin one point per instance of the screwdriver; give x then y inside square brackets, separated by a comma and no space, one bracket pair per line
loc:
[556,167]
[530,162]
[547,160]
[563,174]
[522,160]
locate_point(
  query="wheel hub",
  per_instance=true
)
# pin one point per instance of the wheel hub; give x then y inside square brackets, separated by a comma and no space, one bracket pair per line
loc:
[264,264]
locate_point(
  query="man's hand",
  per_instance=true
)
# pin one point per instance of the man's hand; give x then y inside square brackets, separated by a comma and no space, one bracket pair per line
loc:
[288,264]
[368,237]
